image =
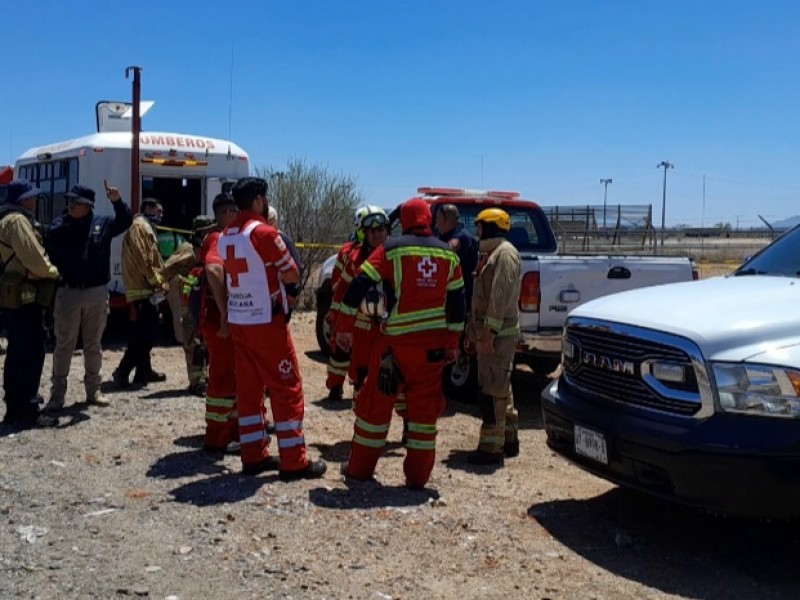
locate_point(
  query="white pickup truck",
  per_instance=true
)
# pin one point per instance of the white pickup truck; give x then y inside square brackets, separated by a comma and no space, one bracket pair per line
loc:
[552,283]
[690,391]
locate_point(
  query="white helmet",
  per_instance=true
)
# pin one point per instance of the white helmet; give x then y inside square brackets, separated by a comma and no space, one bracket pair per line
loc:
[361,213]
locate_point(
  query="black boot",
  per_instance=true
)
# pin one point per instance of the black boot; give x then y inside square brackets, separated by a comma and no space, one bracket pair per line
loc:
[335,394]
[511,449]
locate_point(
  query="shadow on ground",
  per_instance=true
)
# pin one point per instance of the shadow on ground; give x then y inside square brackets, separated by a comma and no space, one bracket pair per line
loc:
[186,463]
[370,494]
[222,489]
[317,356]
[677,550]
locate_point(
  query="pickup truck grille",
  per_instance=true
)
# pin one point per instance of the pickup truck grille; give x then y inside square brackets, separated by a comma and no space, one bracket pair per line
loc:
[610,366]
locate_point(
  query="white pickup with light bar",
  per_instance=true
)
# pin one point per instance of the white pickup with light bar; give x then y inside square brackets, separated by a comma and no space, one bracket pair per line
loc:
[591,444]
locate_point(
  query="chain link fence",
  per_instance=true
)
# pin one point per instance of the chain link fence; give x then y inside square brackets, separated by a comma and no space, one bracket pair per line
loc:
[629,230]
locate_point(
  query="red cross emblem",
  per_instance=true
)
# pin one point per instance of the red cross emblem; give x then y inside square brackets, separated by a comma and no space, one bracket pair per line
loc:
[234,266]
[427,267]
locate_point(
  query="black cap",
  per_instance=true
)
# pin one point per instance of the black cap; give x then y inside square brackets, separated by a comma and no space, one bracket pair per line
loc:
[19,190]
[81,194]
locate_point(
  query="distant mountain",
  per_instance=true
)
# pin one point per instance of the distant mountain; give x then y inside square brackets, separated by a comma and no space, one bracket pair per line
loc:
[786,223]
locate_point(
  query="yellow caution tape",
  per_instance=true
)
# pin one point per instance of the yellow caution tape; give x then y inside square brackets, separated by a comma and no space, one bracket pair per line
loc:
[298,244]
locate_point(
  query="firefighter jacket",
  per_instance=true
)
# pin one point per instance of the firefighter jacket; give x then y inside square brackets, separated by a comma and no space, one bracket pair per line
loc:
[342,258]
[496,292]
[21,248]
[425,290]
[181,262]
[142,265]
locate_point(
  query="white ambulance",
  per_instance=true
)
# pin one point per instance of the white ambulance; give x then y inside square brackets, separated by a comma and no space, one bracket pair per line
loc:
[183,171]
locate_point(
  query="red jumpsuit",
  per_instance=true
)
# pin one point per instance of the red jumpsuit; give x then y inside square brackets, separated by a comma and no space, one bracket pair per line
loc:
[424,280]
[339,361]
[254,254]
[366,331]
[222,426]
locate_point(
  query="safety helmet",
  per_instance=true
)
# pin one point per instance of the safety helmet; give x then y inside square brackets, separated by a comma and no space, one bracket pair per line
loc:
[361,213]
[376,217]
[494,215]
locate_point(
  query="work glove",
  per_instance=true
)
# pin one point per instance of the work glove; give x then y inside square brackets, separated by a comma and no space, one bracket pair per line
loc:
[389,375]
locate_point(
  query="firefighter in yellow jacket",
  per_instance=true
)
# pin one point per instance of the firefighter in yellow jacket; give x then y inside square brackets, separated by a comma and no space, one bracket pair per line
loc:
[145,288]
[493,331]
[27,284]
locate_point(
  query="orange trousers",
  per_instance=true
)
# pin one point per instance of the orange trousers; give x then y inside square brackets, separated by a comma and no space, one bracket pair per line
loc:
[265,358]
[222,425]
[420,357]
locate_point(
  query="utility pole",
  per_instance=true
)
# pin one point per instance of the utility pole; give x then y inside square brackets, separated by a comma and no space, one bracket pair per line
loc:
[605,183]
[666,165]
[136,127]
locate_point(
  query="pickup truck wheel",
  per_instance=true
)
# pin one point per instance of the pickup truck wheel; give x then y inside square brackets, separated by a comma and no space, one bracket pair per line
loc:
[323,330]
[460,380]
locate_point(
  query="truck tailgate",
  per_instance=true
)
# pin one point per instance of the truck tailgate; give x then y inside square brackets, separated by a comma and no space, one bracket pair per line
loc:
[567,281]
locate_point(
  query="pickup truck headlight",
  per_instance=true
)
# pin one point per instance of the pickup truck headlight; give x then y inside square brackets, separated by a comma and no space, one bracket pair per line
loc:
[758,389]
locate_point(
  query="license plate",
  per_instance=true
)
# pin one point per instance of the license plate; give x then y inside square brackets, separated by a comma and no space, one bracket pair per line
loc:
[591,444]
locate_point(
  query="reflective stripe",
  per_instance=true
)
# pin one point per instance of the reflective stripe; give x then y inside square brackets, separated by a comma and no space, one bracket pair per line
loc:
[509,331]
[400,406]
[137,294]
[417,315]
[365,325]
[370,271]
[335,306]
[422,251]
[220,418]
[221,402]
[425,326]
[362,424]
[348,310]
[455,285]
[291,442]
[370,443]
[334,371]
[249,438]
[493,440]
[347,277]
[250,420]
[420,444]
[455,326]
[496,324]
[288,425]
[339,363]
[422,427]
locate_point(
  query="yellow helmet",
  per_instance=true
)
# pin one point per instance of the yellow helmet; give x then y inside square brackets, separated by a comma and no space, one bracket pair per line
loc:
[494,215]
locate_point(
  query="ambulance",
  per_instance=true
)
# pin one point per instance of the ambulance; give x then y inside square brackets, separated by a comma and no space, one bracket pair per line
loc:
[183,171]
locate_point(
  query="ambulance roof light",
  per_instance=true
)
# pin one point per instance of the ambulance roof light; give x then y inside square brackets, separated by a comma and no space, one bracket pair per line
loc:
[442,191]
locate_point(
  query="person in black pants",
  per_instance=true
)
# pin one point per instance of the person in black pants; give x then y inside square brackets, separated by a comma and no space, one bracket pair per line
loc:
[27,271]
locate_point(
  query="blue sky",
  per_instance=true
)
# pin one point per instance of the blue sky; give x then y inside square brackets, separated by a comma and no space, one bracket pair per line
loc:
[545,98]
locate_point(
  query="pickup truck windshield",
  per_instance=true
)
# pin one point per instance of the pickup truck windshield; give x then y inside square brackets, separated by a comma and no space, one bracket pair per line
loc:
[781,257]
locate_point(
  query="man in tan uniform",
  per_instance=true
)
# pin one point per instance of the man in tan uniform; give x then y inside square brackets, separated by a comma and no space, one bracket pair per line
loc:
[493,331]
[145,289]
[27,284]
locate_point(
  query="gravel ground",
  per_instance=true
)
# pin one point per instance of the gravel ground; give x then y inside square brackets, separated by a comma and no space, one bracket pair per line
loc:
[123,502]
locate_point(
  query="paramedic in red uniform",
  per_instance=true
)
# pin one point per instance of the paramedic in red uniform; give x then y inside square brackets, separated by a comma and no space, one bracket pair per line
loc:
[262,282]
[374,224]
[339,361]
[222,427]
[425,290]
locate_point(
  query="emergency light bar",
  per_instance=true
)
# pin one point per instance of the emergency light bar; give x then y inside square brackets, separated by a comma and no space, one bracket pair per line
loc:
[437,191]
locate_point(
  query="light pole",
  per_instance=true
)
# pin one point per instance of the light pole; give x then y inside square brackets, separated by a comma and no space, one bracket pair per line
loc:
[605,183]
[666,165]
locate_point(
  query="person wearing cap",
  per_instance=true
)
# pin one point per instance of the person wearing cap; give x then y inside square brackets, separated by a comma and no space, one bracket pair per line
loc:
[80,246]
[493,332]
[145,289]
[26,270]
[462,242]
[176,271]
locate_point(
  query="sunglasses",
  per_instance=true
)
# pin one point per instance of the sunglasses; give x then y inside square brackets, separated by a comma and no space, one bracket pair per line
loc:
[374,222]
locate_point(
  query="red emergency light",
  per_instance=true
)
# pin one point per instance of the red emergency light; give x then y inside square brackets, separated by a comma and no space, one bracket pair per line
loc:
[442,191]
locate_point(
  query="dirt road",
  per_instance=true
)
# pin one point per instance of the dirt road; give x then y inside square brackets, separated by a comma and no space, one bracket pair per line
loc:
[122,502]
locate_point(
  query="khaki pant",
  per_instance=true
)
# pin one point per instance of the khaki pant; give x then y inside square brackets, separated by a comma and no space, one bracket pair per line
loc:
[500,417]
[81,312]
[186,333]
